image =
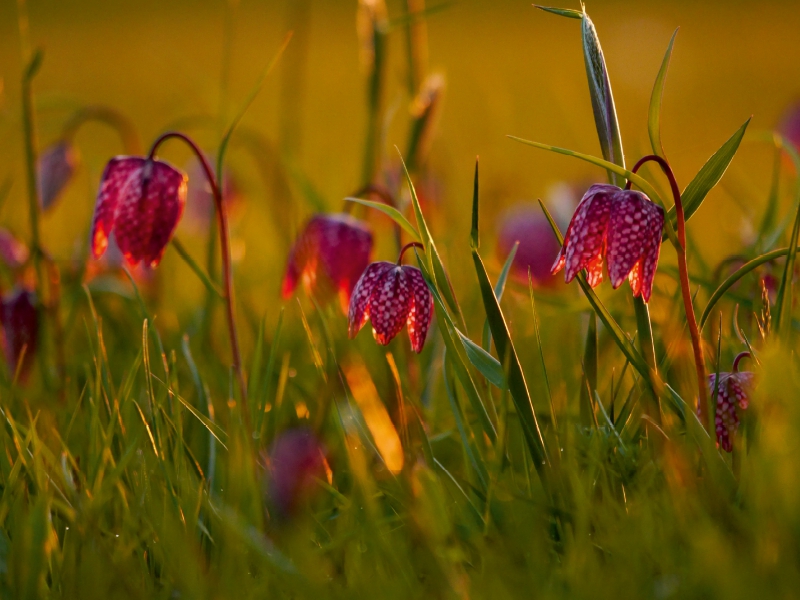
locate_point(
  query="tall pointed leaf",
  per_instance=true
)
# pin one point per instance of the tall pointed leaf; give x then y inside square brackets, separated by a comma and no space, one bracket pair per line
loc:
[654,113]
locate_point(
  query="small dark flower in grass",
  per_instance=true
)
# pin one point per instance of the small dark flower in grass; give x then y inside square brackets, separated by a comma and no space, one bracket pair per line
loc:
[329,256]
[625,227]
[20,330]
[142,201]
[296,459]
[56,167]
[392,295]
[732,392]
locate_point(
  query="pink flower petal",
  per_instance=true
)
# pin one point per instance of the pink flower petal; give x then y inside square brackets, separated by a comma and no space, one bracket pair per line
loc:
[359,314]
[421,308]
[55,169]
[587,230]
[149,211]
[118,182]
[628,231]
[389,305]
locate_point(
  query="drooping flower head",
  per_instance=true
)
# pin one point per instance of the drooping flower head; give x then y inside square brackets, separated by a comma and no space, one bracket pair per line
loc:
[329,256]
[20,329]
[142,200]
[390,296]
[625,227]
[732,393]
[56,167]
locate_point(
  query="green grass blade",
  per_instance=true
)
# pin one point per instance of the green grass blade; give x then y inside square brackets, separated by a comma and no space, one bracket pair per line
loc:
[709,175]
[499,288]
[192,263]
[736,276]
[562,12]
[590,361]
[605,113]
[390,211]
[517,385]
[654,112]
[487,364]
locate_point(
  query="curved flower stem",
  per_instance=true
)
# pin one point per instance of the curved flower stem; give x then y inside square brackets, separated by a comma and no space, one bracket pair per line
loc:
[108,116]
[406,247]
[738,358]
[699,363]
[222,220]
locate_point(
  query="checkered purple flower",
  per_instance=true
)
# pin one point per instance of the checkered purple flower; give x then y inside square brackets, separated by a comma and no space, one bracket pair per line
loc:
[731,394]
[142,200]
[20,329]
[391,296]
[625,227]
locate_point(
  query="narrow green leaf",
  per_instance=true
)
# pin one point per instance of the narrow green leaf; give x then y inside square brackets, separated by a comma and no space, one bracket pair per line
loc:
[391,212]
[709,175]
[448,329]
[192,263]
[517,385]
[638,180]
[474,456]
[736,276]
[499,288]
[226,138]
[475,237]
[605,113]
[435,265]
[783,303]
[563,12]
[487,364]
[590,362]
[654,113]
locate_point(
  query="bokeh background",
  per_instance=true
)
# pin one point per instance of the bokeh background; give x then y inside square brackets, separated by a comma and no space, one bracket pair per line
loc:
[509,69]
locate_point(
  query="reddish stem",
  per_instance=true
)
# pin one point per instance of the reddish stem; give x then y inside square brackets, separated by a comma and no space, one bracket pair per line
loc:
[406,247]
[699,363]
[738,358]
[222,220]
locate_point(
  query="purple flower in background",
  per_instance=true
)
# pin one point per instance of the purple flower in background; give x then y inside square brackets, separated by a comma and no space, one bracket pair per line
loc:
[142,201]
[625,227]
[295,460]
[526,224]
[200,205]
[20,324]
[56,167]
[329,256]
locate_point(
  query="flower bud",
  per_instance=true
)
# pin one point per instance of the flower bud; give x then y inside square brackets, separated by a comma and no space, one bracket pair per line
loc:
[56,167]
